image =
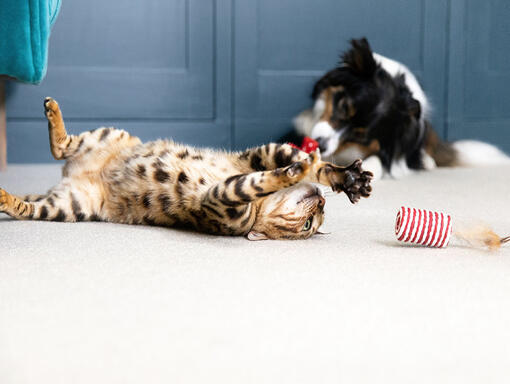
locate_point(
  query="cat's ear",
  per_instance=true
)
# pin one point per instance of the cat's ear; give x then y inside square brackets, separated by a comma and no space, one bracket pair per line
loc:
[254,236]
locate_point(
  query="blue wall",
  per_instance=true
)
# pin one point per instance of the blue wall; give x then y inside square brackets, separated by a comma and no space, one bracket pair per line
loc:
[233,73]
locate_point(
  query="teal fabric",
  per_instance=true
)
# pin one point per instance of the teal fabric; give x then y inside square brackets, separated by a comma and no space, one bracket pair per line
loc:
[24,33]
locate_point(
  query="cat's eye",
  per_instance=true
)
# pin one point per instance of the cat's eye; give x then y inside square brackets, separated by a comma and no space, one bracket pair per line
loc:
[308,224]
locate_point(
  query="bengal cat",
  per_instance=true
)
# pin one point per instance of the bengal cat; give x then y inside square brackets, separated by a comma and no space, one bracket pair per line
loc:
[261,193]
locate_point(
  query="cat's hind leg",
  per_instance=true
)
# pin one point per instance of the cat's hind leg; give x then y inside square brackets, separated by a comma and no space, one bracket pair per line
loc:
[15,206]
[62,204]
[64,146]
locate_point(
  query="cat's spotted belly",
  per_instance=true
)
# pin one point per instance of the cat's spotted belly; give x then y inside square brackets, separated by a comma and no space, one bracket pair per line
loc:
[161,183]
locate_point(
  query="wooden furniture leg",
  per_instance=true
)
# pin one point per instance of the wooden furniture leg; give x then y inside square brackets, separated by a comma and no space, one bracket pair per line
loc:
[3,128]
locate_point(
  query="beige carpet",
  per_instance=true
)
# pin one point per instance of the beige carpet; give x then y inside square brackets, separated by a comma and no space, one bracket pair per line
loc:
[103,303]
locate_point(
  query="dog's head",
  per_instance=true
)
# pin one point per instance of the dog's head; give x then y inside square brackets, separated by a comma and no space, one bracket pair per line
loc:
[365,111]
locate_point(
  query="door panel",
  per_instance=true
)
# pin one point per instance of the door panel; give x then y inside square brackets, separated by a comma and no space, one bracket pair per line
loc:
[157,68]
[28,142]
[106,55]
[479,71]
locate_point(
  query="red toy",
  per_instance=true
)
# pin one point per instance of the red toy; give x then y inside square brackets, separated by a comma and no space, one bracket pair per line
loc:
[308,145]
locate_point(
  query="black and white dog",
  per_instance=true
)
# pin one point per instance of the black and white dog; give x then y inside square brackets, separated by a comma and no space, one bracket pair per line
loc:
[373,108]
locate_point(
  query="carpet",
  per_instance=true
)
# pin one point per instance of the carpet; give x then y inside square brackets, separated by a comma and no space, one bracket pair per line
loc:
[107,303]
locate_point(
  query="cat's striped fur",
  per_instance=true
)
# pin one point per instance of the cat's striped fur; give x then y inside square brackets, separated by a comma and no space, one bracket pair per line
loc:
[110,175]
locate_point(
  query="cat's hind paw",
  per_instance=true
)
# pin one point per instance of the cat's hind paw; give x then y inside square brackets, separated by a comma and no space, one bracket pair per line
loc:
[51,108]
[4,200]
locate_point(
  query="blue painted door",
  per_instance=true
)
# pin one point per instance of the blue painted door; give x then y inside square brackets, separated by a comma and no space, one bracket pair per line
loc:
[233,73]
[157,68]
[133,59]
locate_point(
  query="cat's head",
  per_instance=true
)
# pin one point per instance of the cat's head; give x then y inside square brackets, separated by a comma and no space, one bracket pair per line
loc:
[291,213]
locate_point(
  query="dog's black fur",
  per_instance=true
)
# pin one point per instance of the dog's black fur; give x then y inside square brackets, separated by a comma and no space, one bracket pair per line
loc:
[383,106]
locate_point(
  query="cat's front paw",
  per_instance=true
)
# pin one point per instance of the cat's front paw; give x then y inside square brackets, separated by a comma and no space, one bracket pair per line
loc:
[352,180]
[356,182]
[303,167]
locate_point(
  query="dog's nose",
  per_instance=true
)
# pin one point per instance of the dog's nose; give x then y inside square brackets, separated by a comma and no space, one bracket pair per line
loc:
[322,143]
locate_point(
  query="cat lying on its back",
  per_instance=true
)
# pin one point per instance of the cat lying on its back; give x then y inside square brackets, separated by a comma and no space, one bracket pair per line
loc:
[111,176]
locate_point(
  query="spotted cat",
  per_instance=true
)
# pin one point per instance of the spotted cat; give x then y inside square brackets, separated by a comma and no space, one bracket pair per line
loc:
[261,193]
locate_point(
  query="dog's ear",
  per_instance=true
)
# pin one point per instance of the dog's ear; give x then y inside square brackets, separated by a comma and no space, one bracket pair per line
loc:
[360,58]
[414,108]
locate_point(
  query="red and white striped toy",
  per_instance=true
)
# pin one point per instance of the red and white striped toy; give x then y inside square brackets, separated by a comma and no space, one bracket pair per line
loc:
[420,226]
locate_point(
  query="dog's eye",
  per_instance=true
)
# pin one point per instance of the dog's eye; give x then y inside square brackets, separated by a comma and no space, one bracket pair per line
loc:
[308,224]
[345,109]
[359,134]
